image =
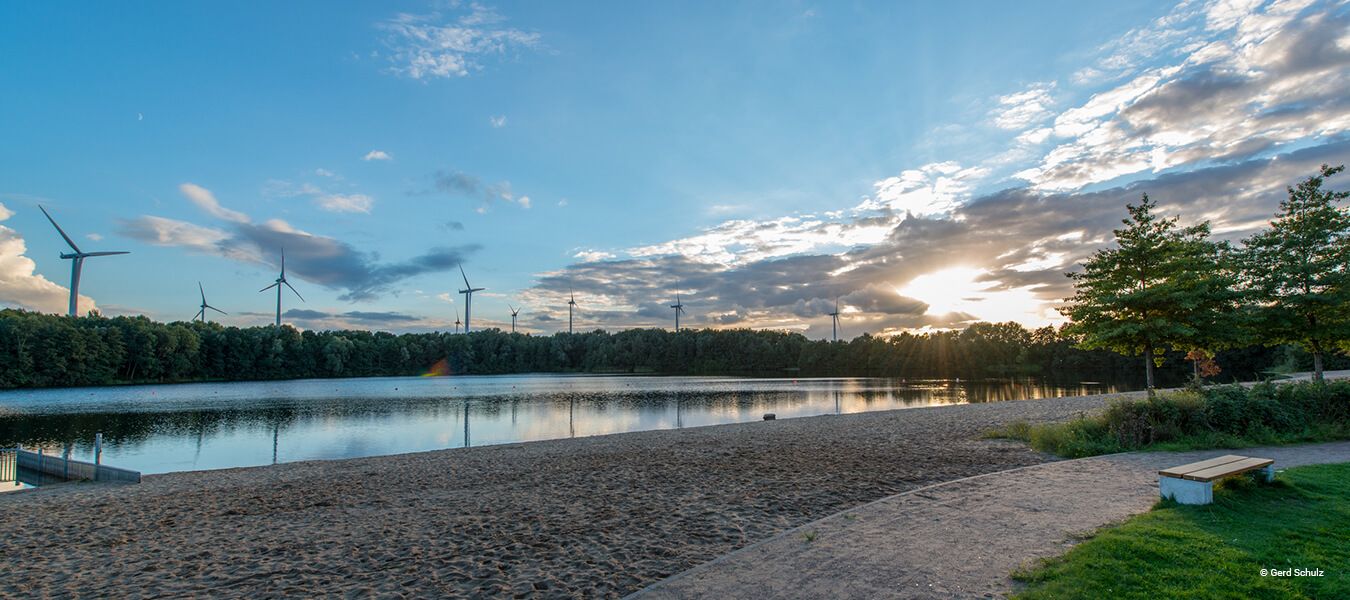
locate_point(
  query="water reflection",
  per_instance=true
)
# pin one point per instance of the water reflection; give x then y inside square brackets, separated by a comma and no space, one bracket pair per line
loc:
[158,429]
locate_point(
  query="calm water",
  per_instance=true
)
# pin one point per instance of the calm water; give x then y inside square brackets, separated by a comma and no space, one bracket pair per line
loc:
[186,427]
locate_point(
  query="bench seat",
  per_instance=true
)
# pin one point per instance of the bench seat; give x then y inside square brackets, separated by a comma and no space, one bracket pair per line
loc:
[1194,483]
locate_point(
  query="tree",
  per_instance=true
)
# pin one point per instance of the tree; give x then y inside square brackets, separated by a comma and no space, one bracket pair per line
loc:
[1161,287]
[1297,270]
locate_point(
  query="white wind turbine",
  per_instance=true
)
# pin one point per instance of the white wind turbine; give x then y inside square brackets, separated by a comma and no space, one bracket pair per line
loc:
[457,323]
[78,262]
[570,303]
[834,316]
[514,311]
[679,309]
[280,281]
[205,306]
[468,298]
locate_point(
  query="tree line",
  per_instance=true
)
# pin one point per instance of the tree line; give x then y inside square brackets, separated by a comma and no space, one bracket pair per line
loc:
[42,350]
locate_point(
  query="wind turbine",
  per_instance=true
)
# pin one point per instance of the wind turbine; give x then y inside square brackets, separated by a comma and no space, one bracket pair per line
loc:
[456,320]
[205,306]
[78,262]
[280,281]
[514,311]
[679,309]
[834,316]
[468,297]
[570,303]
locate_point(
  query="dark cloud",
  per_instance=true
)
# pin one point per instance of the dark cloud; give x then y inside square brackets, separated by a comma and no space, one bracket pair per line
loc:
[301,313]
[382,317]
[454,225]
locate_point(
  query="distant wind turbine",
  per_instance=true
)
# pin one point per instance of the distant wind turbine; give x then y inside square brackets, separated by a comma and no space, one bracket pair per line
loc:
[75,266]
[205,306]
[834,316]
[457,320]
[679,309]
[282,280]
[514,311]
[570,303]
[468,297]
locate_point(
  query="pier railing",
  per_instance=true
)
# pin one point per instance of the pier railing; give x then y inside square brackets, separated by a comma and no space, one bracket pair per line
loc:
[64,468]
[9,464]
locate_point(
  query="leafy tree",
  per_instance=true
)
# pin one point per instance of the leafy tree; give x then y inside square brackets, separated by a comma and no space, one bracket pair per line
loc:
[1298,270]
[1161,287]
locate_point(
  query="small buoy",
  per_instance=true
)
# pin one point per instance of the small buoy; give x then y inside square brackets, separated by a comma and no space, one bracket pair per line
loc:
[770,416]
[395,389]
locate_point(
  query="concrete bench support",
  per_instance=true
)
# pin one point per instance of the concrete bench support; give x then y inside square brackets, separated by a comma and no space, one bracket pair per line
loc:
[1194,483]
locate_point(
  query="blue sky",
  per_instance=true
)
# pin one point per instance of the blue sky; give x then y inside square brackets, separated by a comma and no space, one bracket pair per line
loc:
[923,165]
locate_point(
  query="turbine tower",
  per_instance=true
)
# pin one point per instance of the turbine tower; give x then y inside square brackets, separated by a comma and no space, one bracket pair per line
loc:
[514,311]
[834,316]
[679,308]
[205,306]
[570,303]
[76,264]
[282,280]
[468,298]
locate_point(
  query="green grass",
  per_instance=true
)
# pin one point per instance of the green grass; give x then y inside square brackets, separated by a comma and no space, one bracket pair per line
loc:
[1301,521]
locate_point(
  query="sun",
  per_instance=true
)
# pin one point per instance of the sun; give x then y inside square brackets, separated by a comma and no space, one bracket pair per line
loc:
[951,290]
[957,291]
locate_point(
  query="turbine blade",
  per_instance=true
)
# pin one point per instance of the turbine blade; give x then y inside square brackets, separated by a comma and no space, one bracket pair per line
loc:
[199,313]
[288,284]
[270,286]
[461,274]
[216,309]
[59,230]
[106,253]
[203,290]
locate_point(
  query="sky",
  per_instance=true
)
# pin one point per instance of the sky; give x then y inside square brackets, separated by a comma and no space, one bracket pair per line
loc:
[918,165]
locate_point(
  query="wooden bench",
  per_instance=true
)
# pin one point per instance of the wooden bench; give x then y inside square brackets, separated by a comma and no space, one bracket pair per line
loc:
[1194,483]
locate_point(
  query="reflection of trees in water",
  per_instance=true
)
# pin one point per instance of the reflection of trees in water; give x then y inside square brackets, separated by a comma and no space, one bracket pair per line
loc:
[277,415]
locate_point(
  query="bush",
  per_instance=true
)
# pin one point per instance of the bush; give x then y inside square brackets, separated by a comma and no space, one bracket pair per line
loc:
[1218,417]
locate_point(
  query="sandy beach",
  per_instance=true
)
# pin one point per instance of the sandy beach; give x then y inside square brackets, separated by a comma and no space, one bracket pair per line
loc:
[596,517]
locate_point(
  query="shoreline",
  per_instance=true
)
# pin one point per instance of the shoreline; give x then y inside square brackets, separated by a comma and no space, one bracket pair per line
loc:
[595,517]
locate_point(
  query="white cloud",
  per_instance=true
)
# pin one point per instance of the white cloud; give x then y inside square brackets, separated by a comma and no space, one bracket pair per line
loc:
[207,202]
[1255,78]
[324,172]
[159,231]
[1024,109]
[592,255]
[423,46]
[377,155]
[497,121]
[286,189]
[345,202]
[94,236]
[932,189]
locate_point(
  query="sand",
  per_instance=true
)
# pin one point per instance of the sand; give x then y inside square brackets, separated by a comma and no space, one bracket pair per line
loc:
[597,517]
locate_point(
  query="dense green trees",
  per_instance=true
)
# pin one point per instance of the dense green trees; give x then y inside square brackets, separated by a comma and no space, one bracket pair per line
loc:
[39,350]
[1165,287]
[1162,287]
[1299,271]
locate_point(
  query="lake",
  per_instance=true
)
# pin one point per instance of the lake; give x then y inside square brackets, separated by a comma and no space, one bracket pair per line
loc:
[188,427]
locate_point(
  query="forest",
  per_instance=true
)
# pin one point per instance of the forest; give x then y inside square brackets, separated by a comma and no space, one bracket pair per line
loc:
[43,350]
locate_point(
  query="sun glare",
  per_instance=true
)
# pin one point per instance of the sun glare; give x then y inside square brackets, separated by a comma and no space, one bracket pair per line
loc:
[955,290]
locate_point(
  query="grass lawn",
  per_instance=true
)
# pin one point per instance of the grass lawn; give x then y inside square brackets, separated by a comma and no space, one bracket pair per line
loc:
[1301,522]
